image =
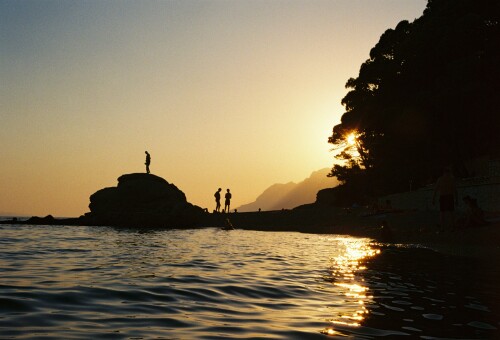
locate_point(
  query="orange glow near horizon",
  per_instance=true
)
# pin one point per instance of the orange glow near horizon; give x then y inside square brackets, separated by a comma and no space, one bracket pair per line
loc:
[233,94]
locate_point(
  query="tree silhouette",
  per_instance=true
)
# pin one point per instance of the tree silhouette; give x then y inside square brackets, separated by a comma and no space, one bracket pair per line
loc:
[427,96]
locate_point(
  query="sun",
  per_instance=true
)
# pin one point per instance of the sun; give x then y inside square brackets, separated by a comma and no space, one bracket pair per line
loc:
[351,139]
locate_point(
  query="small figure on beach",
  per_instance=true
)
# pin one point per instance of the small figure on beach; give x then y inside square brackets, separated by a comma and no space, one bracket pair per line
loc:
[217,200]
[447,190]
[228,200]
[148,161]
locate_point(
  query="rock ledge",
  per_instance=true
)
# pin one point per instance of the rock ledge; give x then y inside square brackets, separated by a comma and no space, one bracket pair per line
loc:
[142,199]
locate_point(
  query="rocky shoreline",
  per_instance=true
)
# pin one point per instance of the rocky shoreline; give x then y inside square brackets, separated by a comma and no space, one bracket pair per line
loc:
[412,228]
[147,201]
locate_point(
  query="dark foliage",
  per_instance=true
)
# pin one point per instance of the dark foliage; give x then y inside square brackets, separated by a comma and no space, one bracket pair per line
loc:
[428,96]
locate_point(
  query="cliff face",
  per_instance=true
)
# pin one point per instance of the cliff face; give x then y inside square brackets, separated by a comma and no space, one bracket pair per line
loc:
[142,199]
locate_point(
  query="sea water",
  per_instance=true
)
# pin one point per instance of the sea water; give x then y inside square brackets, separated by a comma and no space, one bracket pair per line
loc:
[63,282]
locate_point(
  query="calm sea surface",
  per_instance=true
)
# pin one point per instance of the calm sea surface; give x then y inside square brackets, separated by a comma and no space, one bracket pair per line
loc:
[98,282]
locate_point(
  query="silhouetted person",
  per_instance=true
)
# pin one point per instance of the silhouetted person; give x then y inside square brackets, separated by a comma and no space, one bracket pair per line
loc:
[228,200]
[448,196]
[385,232]
[217,200]
[474,216]
[227,225]
[148,161]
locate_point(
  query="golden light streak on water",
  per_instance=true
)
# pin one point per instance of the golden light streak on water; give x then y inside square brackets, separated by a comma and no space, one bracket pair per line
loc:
[345,274]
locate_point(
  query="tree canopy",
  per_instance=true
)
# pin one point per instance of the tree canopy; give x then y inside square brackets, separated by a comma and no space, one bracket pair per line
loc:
[428,96]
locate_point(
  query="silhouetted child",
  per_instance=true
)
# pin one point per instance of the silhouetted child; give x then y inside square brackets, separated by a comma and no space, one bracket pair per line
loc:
[227,225]
[148,161]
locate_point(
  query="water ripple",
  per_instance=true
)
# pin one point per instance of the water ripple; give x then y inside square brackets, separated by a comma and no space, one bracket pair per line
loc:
[98,282]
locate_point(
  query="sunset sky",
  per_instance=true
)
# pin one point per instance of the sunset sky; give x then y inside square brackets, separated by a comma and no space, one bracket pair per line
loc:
[233,94]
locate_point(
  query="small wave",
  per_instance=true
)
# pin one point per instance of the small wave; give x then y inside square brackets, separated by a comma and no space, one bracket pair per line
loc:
[108,283]
[481,325]
[16,305]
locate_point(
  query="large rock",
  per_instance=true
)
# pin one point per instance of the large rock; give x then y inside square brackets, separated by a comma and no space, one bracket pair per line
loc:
[143,200]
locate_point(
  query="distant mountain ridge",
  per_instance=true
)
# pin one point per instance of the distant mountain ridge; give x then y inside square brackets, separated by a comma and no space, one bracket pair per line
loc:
[290,195]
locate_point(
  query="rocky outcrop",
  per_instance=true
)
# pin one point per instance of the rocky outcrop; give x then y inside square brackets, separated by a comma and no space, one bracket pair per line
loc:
[143,200]
[47,220]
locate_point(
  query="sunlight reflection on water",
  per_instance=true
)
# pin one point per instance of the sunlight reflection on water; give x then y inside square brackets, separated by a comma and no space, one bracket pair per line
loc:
[345,268]
[206,282]
[84,282]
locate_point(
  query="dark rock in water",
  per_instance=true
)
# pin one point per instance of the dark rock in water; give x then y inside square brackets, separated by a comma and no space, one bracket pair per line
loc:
[49,219]
[143,200]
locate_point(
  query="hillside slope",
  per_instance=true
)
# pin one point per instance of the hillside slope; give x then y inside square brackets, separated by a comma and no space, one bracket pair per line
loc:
[291,195]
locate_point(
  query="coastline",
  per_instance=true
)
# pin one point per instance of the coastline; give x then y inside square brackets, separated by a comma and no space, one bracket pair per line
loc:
[404,227]
[407,228]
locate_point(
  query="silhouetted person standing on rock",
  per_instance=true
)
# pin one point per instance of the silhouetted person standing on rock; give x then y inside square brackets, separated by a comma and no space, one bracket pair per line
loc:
[148,161]
[217,200]
[228,200]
